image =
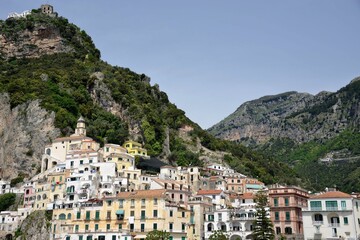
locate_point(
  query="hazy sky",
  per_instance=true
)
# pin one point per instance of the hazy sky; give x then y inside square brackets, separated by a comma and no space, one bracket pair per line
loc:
[210,56]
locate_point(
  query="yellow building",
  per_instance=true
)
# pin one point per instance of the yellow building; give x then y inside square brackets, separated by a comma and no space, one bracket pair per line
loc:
[135,149]
[129,215]
[57,187]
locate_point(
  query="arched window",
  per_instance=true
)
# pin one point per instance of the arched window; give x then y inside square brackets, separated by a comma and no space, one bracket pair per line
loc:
[44,196]
[69,216]
[210,227]
[318,217]
[38,197]
[62,216]
[48,151]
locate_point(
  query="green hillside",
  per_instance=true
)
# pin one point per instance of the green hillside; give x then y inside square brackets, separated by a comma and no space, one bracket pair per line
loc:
[65,83]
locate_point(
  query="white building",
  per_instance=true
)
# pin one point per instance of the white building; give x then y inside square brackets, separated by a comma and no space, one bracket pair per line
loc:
[237,221]
[56,152]
[332,215]
[5,187]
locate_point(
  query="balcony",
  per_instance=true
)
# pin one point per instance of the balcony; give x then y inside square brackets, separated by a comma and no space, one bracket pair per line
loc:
[334,225]
[318,223]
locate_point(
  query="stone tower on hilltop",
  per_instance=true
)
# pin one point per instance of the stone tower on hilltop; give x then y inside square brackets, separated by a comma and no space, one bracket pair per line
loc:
[48,10]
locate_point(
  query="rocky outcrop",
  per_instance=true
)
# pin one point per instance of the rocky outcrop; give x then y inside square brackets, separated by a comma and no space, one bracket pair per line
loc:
[35,226]
[41,40]
[24,131]
[101,95]
[300,117]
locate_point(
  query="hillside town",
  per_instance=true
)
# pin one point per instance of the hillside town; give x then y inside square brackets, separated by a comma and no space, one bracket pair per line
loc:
[97,192]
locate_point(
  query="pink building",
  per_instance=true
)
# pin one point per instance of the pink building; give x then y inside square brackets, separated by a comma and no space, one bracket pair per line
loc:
[286,203]
[29,194]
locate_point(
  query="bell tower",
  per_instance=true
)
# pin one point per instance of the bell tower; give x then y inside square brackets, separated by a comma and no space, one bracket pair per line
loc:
[80,127]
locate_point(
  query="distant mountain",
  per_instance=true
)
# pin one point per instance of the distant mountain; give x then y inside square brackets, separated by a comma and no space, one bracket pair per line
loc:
[51,73]
[301,129]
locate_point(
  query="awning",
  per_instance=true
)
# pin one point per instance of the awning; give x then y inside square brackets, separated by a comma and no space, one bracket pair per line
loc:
[119,212]
[140,236]
[254,186]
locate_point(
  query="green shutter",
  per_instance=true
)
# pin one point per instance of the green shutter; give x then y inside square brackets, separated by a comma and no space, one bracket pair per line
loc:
[287,216]
[78,215]
[87,215]
[97,215]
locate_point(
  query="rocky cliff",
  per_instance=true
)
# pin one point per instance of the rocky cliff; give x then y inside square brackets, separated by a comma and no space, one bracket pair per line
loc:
[300,117]
[24,131]
[33,42]
[36,226]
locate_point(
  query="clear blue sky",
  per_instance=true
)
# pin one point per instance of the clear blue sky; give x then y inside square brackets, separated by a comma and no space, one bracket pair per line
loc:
[210,56]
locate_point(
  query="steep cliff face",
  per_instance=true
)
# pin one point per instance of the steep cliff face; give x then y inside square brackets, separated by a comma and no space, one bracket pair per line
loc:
[35,42]
[300,117]
[35,226]
[24,131]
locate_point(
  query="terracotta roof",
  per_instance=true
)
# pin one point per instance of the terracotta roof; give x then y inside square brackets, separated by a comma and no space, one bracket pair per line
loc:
[332,194]
[247,195]
[142,194]
[209,192]
[71,138]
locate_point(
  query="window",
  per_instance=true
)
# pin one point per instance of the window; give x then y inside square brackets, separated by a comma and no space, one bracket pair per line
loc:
[171,213]
[76,228]
[96,227]
[287,216]
[286,202]
[346,221]
[62,216]
[142,202]
[142,215]
[107,226]
[278,230]
[183,214]
[276,202]
[331,205]
[86,227]
[183,227]
[132,202]
[155,226]
[343,205]
[155,201]
[142,226]
[78,215]
[132,213]
[170,227]
[97,215]
[108,215]
[155,213]
[277,218]
[69,216]
[318,218]
[120,227]
[81,162]
[121,203]
[108,203]
[288,230]
[315,205]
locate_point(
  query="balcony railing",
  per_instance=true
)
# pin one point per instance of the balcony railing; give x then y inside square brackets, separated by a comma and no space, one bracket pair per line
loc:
[318,223]
[334,225]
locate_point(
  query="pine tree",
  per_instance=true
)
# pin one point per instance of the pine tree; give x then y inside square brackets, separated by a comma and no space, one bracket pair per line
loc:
[263,228]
